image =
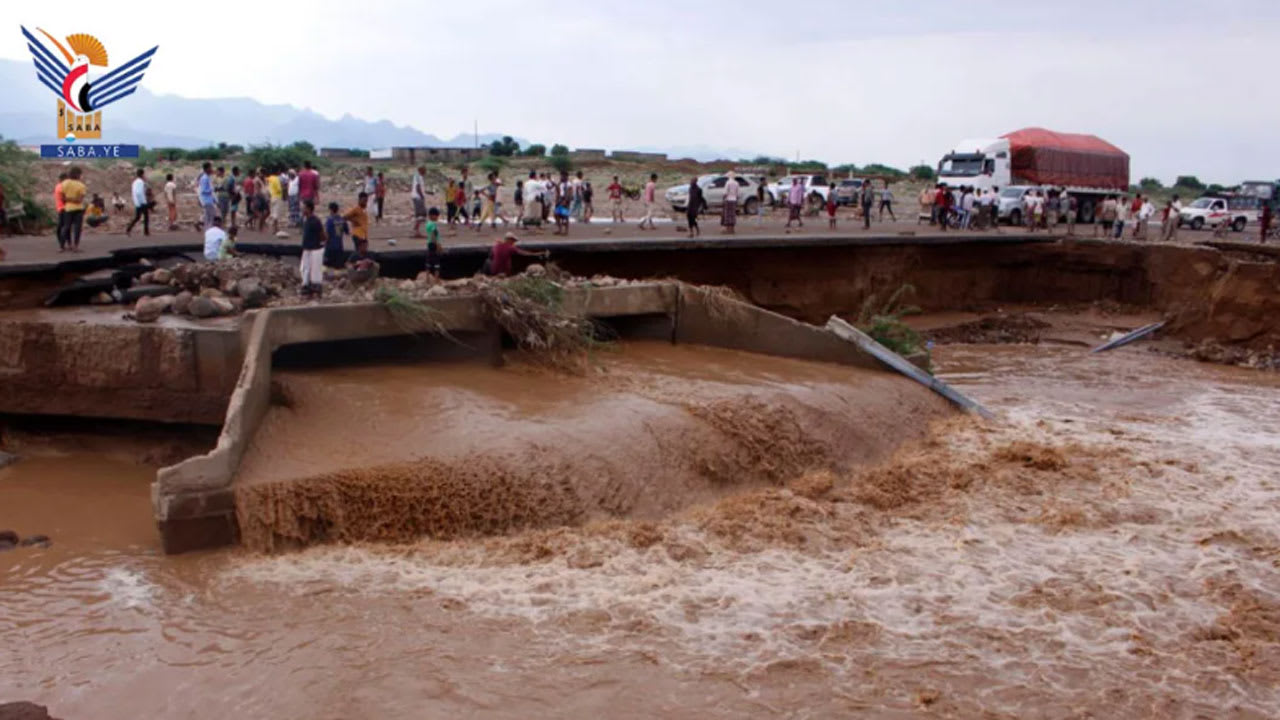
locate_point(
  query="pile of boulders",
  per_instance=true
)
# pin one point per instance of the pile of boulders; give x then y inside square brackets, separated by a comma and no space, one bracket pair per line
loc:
[205,290]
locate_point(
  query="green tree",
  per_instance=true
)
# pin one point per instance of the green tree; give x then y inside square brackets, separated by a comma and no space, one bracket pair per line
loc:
[1150,184]
[559,149]
[1189,182]
[275,158]
[922,172]
[535,150]
[879,169]
[561,161]
[506,147]
[20,185]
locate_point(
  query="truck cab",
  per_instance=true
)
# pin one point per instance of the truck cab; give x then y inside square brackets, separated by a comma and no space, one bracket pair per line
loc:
[979,163]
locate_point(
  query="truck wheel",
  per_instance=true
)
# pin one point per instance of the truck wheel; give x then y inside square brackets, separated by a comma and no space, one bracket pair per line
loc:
[749,207]
[1086,211]
[1015,218]
[1238,225]
[1197,223]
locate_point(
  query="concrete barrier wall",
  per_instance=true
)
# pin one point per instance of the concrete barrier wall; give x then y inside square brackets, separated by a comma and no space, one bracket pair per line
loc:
[193,502]
[88,365]
[707,319]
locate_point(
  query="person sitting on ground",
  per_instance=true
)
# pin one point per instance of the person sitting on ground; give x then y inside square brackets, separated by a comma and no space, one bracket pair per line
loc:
[213,239]
[434,248]
[502,252]
[96,214]
[335,229]
[117,202]
[362,265]
[228,248]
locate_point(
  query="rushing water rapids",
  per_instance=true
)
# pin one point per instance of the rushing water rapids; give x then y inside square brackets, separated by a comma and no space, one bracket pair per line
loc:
[1108,548]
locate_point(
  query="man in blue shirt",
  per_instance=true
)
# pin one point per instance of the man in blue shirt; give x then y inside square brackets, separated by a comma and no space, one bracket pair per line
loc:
[205,193]
[313,241]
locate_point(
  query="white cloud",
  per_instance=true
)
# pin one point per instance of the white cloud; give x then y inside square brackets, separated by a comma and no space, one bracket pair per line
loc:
[838,81]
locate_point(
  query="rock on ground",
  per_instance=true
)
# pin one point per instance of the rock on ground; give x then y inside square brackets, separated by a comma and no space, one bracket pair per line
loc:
[24,711]
[202,307]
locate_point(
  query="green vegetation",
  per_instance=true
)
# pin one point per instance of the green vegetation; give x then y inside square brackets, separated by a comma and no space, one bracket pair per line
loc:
[1150,184]
[561,163]
[492,163]
[530,310]
[1189,183]
[506,147]
[275,158]
[559,149]
[535,150]
[20,186]
[884,323]
[922,172]
[410,315]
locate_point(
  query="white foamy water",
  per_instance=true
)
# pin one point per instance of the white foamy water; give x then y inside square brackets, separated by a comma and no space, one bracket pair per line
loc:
[1134,577]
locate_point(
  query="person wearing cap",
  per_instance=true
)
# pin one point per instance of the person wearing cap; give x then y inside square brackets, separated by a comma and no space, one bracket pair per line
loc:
[502,252]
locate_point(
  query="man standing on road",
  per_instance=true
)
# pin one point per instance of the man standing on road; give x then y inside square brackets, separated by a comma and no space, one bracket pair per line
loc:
[275,205]
[942,206]
[141,208]
[615,200]
[1145,211]
[73,198]
[650,199]
[1172,213]
[795,201]
[379,196]
[418,194]
[309,185]
[221,193]
[926,204]
[59,204]
[358,220]
[868,200]
[204,192]
[313,242]
[171,200]
[1264,221]
[1072,206]
[886,202]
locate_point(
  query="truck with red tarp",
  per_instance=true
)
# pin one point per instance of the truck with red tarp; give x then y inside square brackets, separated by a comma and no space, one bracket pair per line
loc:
[1086,166]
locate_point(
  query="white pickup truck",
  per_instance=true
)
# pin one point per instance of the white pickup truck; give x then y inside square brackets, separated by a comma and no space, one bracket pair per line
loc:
[1236,211]
[816,188]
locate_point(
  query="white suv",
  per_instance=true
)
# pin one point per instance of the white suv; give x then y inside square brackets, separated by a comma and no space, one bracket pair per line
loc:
[816,188]
[713,193]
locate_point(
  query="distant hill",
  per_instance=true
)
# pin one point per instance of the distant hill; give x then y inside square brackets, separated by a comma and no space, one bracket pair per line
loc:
[27,116]
[154,120]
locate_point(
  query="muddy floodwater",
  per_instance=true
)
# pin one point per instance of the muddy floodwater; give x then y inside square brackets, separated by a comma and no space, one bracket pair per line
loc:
[1107,548]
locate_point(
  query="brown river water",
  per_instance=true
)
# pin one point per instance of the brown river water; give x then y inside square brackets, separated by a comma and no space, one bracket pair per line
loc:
[1107,548]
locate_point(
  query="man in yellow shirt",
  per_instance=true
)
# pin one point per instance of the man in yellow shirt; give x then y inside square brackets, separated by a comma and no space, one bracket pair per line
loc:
[276,190]
[358,219]
[73,195]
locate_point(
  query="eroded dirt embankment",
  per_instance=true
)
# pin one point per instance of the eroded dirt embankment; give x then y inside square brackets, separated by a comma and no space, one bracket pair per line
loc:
[396,453]
[1228,298]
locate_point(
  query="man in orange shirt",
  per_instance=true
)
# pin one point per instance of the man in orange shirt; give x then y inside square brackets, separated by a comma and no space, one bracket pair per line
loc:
[61,206]
[73,202]
[358,219]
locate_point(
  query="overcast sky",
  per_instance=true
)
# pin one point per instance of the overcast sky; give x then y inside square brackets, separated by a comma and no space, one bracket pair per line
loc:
[1184,87]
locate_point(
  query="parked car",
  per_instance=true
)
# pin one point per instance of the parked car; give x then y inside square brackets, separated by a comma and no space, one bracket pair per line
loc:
[816,189]
[848,191]
[713,193]
[1212,210]
[1012,203]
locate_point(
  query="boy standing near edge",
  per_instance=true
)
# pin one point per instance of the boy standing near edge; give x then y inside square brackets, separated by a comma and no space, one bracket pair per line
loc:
[650,200]
[358,218]
[312,265]
[434,248]
[615,200]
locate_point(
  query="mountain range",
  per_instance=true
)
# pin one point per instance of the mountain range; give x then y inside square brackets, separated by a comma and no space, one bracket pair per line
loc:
[172,121]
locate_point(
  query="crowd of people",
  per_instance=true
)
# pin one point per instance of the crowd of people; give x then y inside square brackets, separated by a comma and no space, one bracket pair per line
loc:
[966,207]
[264,200]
